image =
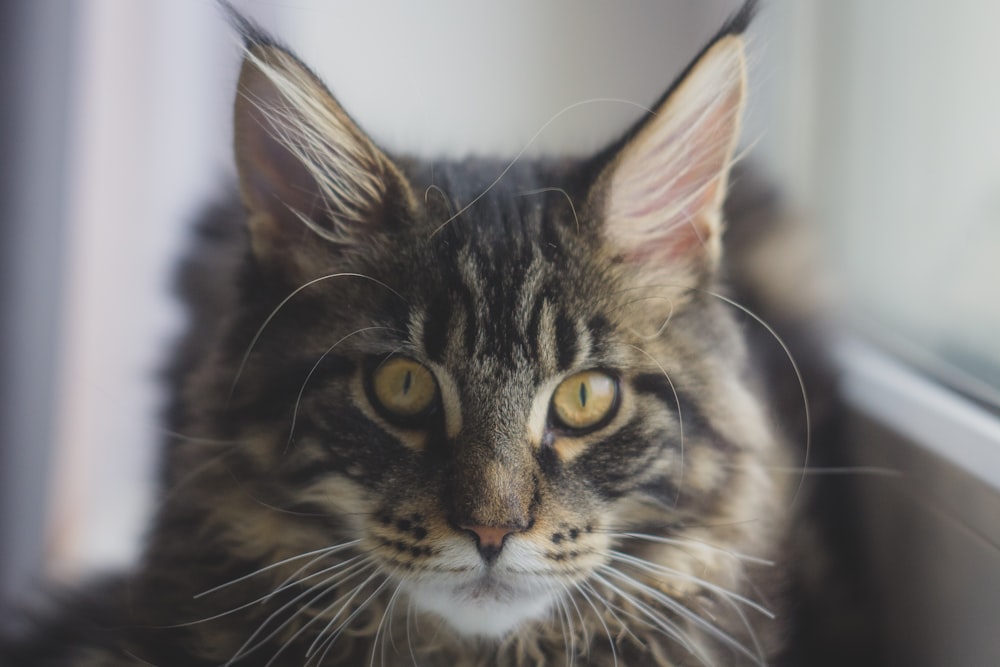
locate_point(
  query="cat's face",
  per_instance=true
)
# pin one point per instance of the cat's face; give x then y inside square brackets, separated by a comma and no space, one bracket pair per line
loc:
[487,411]
[485,375]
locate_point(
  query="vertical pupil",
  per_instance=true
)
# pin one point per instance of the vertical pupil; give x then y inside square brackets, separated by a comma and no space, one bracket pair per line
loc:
[583,394]
[407,382]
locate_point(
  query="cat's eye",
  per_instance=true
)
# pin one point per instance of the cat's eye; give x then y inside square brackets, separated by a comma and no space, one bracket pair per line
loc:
[403,388]
[585,401]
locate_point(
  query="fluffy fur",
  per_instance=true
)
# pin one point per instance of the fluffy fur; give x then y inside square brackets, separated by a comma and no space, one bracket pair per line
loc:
[300,524]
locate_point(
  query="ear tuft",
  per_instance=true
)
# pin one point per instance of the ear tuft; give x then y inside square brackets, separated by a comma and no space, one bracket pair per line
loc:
[663,192]
[304,165]
[249,30]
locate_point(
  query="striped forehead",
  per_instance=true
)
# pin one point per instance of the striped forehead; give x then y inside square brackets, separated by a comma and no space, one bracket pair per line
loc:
[498,280]
[506,310]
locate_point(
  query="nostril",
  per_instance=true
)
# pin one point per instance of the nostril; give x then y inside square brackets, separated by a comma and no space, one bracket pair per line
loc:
[489,537]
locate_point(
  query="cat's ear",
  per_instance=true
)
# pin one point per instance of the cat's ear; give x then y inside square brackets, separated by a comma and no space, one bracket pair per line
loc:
[660,196]
[312,182]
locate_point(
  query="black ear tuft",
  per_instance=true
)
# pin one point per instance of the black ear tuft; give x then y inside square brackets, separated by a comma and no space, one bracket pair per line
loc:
[660,189]
[248,29]
[740,20]
[735,25]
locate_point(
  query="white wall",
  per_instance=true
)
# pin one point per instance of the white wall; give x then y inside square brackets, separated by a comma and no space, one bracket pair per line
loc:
[910,174]
[34,77]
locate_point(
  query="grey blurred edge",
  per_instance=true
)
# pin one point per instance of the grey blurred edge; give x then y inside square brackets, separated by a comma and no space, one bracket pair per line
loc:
[36,45]
[931,528]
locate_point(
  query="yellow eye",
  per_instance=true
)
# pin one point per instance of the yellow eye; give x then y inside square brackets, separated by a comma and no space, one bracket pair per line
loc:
[585,400]
[403,387]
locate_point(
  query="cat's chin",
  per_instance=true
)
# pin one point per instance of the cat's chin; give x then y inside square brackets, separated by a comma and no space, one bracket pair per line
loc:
[482,608]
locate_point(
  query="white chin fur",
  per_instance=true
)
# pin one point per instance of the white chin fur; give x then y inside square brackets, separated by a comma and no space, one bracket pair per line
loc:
[481,613]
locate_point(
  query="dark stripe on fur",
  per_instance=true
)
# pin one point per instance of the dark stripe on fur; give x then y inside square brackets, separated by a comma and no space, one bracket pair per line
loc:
[567,345]
[436,327]
[614,465]
[694,422]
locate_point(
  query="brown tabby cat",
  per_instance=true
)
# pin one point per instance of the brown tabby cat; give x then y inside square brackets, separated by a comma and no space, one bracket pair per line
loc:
[459,414]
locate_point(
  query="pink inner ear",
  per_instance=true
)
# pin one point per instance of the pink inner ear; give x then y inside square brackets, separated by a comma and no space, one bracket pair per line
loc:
[688,201]
[664,197]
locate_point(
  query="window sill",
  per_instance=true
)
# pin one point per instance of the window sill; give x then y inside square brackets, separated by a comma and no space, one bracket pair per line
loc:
[931,533]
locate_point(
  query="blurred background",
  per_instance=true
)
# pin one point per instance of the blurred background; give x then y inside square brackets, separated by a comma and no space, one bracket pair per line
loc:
[878,120]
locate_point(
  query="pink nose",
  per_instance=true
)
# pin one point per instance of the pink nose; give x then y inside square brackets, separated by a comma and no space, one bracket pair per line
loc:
[489,537]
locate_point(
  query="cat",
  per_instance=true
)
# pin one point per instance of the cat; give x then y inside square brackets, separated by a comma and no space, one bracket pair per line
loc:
[459,413]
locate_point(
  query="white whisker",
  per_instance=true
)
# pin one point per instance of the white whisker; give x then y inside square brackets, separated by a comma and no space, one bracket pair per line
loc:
[873,471]
[520,153]
[611,641]
[614,609]
[798,377]
[655,568]
[762,659]
[680,419]
[682,542]
[295,580]
[330,641]
[325,550]
[326,587]
[385,614]
[681,610]
[569,199]
[668,627]
[277,309]
[302,389]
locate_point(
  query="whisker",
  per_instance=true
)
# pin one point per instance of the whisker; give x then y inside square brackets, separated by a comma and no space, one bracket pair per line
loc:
[873,471]
[378,631]
[260,600]
[680,419]
[666,320]
[175,435]
[177,487]
[327,586]
[656,621]
[538,191]
[302,389]
[750,630]
[655,568]
[566,632]
[681,610]
[325,550]
[319,640]
[392,616]
[583,622]
[668,627]
[135,657]
[612,608]
[295,580]
[277,309]
[785,349]
[699,543]
[343,626]
[600,619]
[795,369]
[437,189]
[520,153]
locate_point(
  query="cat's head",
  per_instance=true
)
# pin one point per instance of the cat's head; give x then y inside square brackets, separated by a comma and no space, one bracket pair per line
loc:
[481,376]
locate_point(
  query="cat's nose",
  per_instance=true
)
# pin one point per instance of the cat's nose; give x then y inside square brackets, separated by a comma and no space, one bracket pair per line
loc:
[490,539]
